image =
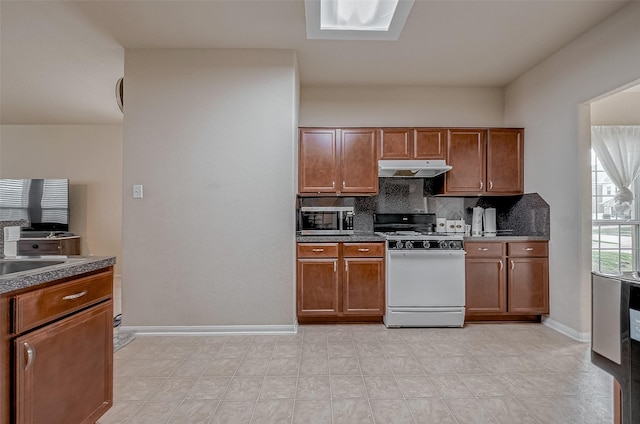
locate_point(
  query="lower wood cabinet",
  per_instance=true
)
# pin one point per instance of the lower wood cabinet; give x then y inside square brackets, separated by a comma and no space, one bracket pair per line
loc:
[340,281]
[60,341]
[506,280]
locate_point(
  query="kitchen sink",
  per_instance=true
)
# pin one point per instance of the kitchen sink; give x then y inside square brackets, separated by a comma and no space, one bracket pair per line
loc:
[13,266]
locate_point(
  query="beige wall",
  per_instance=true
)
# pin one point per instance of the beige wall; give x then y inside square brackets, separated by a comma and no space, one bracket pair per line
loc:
[617,109]
[400,106]
[90,156]
[551,101]
[211,136]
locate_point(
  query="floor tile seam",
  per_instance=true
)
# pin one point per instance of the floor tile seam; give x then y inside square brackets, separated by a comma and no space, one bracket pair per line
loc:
[477,398]
[166,420]
[230,379]
[531,411]
[295,390]
[330,383]
[128,419]
[404,398]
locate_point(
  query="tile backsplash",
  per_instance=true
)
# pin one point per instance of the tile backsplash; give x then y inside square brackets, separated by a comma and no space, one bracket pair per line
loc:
[522,215]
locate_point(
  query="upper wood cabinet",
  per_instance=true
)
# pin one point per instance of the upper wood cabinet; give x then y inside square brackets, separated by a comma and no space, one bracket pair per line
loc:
[318,160]
[485,161]
[505,161]
[412,143]
[466,153]
[359,161]
[337,161]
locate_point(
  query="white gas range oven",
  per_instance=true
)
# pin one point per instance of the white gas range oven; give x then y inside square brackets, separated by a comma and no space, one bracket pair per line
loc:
[425,277]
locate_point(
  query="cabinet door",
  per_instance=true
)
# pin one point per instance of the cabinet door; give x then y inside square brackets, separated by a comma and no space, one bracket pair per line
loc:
[317,291]
[64,370]
[505,161]
[485,286]
[429,143]
[466,154]
[363,286]
[359,164]
[396,143]
[318,160]
[528,285]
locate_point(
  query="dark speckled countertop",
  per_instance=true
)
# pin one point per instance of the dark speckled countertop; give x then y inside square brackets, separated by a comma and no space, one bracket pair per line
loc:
[355,238]
[72,265]
[506,238]
[371,237]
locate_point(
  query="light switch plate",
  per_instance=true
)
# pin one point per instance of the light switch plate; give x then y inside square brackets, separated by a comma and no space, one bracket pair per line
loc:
[137,191]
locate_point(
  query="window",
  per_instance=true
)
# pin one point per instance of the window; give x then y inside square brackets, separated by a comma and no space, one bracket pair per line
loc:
[615,240]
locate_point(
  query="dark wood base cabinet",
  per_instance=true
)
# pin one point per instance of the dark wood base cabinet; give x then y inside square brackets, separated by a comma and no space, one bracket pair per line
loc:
[340,282]
[506,281]
[61,347]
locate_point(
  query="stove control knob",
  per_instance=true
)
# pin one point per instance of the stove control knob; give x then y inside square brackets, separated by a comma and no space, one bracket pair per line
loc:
[398,244]
[443,244]
[408,244]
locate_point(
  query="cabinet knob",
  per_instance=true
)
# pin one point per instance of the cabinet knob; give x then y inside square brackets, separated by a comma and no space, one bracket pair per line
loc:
[527,248]
[501,265]
[363,250]
[490,185]
[513,265]
[317,250]
[481,185]
[483,249]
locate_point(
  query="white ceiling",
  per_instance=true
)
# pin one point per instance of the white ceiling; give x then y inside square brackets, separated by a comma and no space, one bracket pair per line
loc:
[59,60]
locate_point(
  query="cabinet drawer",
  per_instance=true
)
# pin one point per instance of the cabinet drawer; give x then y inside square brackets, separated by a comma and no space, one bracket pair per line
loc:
[371,250]
[476,249]
[317,250]
[41,306]
[39,247]
[528,249]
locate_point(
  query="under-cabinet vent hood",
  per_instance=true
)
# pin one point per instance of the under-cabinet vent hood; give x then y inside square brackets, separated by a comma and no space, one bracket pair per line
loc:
[412,168]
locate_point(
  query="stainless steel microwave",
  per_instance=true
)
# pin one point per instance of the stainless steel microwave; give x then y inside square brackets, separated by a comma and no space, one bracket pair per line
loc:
[325,220]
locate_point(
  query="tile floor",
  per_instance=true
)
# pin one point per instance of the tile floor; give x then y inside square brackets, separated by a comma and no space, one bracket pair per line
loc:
[483,373]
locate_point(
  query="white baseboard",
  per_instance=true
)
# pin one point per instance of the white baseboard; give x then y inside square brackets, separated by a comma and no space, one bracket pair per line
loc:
[567,331]
[171,330]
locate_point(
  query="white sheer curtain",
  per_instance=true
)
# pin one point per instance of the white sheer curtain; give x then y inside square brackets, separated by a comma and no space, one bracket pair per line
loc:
[618,148]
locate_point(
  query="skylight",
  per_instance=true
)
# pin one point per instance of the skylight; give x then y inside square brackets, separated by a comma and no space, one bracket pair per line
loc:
[356,19]
[357,15]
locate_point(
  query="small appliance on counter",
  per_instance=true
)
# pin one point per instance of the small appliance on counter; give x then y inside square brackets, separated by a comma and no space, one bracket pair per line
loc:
[483,222]
[11,237]
[490,222]
[476,222]
[325,220]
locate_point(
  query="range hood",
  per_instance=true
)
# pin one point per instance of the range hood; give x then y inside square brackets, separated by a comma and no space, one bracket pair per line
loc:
[412,168]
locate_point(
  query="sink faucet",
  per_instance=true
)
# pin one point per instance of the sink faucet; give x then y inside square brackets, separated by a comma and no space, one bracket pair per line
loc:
[4,242]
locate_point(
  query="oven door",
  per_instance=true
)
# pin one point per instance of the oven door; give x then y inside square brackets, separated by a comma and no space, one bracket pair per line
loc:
[417,278]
